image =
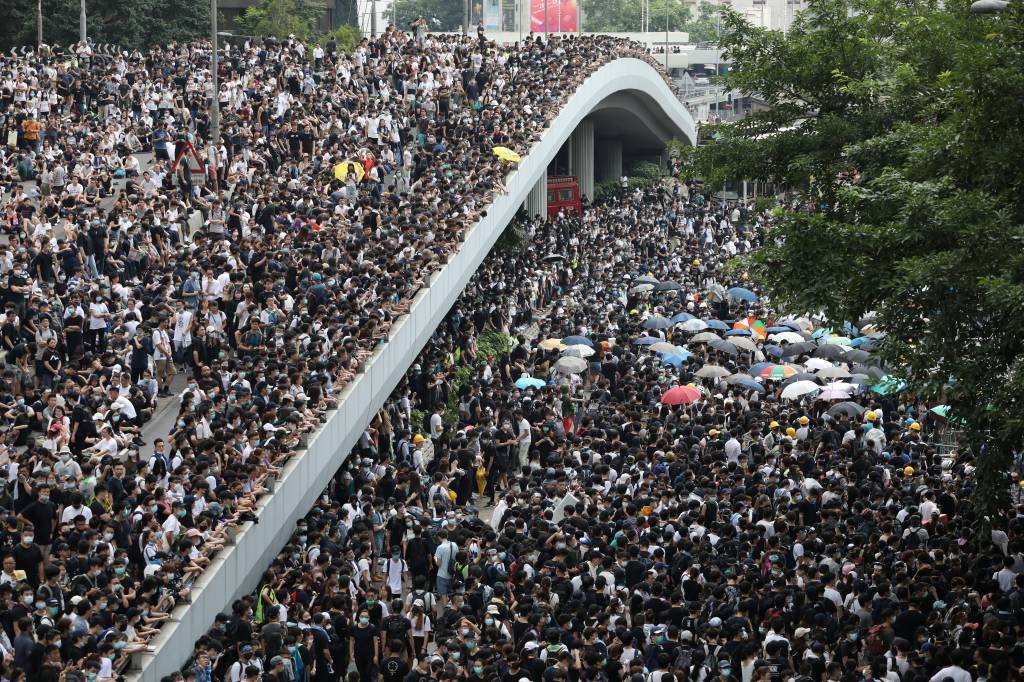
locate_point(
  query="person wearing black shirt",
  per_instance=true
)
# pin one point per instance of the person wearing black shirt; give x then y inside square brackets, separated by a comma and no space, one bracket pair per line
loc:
[41,514]
[393,668]
[28,557]
[364,646]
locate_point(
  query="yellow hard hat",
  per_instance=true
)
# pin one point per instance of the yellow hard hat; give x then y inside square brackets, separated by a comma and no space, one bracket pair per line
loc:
[791,432]
[417,439]
[696,261]
[871,416]
[773,425]
[915,426]
[804,420]
[908,471]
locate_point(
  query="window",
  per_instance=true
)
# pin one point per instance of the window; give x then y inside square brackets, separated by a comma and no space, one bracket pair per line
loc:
[565,195]
[551,197]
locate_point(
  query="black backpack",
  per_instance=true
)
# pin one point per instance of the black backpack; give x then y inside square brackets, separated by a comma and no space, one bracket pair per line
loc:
[396,627]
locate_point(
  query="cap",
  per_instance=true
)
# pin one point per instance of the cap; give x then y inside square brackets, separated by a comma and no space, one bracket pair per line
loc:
[773,425]
[801,632]
[804,420]
[493,609]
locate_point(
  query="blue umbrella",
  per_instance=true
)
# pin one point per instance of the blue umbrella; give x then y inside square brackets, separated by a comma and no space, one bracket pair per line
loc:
[850,330]
[642,341]
[573,340]
[680,352]
[523,383]
[865,342]
[681,317]
[751,385]
[779,330]
[674,360]
[822,331]
[717,324]
[742,294]
[889,385]
[774,350]
[739,332]
[760,367]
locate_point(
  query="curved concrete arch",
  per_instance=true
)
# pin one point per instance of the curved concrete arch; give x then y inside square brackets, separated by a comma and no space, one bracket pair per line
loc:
[237,569]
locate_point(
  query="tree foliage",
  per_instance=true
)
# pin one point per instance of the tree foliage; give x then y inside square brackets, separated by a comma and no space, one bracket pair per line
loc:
[137,24]
[898,125]
[281,18]
[626,15]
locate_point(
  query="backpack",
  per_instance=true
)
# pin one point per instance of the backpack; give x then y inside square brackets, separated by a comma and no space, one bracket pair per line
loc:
[912,540]
[396,627]
[875,641]
[683,658]
[427,597]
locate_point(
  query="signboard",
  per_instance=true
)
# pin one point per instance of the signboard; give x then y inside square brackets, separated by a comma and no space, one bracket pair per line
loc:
[559,513]
[553,16]
[492,15]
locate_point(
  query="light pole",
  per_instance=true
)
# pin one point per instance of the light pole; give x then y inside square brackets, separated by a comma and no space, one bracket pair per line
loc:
[81,22]
[215,91]
[373,18]
[666,36]
[39,23]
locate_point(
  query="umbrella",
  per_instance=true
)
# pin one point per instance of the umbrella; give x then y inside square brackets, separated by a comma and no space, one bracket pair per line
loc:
[829,351]
[705,337]
[716,292]
[778,329]
[755,370]
[833,394]
[694,325]
[785,337]
[744,343]
[793,349]
[888,385]
[506,154]
[865,342]
[573,340]
[842,386]
[580,350]
[571,365]
[668,286]
[646,340]
[777,372]
[738,377]
[552,344]
[663,347]
[674,360]
[741,294]
[834,373]
[724,346]
[857,355]
[645,279]
[347,166]
[523,383]
[802,376]
[774,350]
[859,379]
[849,409]
[717,324]
[642,288]
[554,257]
[799,388]
[940,411]
[657,322]
[712,372]
[682,317]
[680,395]
[742,331]
[816,363]
[839,340]
[751,385]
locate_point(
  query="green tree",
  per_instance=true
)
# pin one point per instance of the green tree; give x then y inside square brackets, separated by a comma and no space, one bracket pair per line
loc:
[896,125]
[705,26]
[625,15]
[281,18]
[441,15]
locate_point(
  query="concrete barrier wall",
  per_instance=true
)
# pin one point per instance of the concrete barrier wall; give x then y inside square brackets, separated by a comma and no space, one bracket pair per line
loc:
[238,568]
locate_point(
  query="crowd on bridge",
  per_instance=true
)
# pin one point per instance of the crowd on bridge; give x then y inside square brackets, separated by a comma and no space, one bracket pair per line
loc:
[241,295]
[616,462]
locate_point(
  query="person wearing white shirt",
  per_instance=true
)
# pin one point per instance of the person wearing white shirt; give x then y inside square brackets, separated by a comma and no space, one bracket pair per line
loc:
[1006,576]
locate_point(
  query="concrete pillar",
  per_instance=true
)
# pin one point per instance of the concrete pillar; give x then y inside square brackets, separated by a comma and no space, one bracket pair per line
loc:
[537,201]
[581,156]
[609,159]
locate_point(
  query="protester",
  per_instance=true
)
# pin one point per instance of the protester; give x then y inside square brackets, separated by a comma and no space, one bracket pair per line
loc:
[242,296]
[741,534]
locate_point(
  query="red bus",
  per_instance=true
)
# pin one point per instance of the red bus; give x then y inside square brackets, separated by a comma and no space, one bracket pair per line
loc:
[564,194]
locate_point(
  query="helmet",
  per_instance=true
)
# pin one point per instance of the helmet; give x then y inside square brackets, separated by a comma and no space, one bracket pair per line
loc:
[915,426]
[791,432]
[871,416]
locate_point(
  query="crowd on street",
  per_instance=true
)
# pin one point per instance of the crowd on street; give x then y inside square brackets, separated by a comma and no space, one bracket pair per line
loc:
[614,461]
[243,295]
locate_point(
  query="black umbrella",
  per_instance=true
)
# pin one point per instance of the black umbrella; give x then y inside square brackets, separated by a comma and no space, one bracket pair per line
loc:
[829,351]
[857,355]
[802,376]
[668,286]
[724,346]
[849,409]
[793,349]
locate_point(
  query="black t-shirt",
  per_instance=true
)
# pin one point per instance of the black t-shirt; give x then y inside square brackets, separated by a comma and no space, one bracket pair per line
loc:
[42,515]
[393,669]
[363,639]
[28,559]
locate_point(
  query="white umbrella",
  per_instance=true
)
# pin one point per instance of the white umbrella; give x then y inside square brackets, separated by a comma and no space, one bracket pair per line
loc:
[694,325]
[785,337]
[664,347]
[832,394]
[842,386]
[743,342]
[570,365]
[834,373]
[641,289]
[799,388]
[712,372]
[705,337]
[817,363]
[580,350]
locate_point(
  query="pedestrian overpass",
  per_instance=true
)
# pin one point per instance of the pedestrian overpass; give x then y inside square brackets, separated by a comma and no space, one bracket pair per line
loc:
[625,105]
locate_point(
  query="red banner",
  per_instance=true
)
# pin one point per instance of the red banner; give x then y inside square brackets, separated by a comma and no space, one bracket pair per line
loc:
[561,15]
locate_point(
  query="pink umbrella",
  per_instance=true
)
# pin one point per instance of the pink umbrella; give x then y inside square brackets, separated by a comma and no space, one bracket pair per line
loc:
[680,395]
[833,394]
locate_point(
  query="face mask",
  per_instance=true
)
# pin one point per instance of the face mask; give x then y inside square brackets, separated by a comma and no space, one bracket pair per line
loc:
[853,636]
[119,645]
[65,458]
[489,621]
[108,536]
[181,513]
[119,570]
[40,604]
[470,645]
[28,599]
[371,601]
[44,498]
[154,508]
[465,632]
[726,671]
[364,620]
[27,539]
[456,655]
[478,669]
[303,538]
[53,612]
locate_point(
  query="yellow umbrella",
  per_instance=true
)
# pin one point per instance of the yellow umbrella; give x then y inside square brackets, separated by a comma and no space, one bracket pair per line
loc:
[506,154]
[553,344]
[347,166]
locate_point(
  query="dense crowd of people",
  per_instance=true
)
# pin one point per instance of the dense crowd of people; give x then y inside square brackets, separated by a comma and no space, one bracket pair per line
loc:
[670,509]
[245,294]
